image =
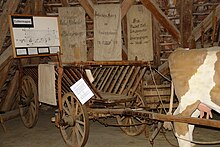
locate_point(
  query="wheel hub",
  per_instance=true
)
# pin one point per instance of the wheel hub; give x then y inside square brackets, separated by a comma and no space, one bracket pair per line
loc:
[69,120]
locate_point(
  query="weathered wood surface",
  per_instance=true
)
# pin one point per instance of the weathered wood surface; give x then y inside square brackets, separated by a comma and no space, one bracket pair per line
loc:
[157,116]
[4,70]
[9,8]
[65,3]
[206,24]
[162,18]
[125,6]
[5,56]
[122,80]
[39,7]
[186,23]
[100,63]
[156,41]
[10,98]
[9,115]
[190,120]
[88,8]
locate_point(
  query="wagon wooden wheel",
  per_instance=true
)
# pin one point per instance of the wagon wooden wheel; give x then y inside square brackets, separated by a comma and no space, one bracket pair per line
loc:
[137,125]
[28,105]
[75,127]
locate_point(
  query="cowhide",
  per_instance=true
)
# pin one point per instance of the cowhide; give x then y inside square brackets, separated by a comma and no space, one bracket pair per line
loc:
[196,77]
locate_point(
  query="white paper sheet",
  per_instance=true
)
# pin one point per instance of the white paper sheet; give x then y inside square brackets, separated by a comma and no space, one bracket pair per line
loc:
[82,91]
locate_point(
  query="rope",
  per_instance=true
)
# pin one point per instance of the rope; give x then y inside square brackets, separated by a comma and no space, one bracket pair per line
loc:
[163,75]
[156,88]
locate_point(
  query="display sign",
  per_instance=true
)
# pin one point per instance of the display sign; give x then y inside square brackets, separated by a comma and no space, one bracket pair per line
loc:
[34,35]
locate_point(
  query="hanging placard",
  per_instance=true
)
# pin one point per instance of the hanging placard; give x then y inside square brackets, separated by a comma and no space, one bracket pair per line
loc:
[107,32]
[73,33]
[139,26]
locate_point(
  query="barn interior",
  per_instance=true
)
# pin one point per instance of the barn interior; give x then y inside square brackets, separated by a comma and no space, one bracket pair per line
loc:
[119,47]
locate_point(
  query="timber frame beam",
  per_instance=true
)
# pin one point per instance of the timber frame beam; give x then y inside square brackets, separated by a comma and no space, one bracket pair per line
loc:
[10,8]
[88,8]
[206,24]
[162,18]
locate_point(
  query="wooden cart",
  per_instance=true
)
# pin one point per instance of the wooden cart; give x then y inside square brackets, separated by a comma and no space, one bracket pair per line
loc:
[118,95]
[119,90]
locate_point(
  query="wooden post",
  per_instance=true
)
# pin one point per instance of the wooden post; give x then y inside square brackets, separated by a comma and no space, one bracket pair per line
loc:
[156,41]
[39,8]
[186,24]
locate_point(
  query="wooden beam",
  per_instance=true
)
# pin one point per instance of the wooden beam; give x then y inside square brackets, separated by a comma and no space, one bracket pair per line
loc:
[156,42]
[186,24]
[125,6]
[206,24]
[6,55]
[28,9]
[65,3]
[10,115]
[88,8]
[8,100]
[9,8]
[162,18]
[39,8]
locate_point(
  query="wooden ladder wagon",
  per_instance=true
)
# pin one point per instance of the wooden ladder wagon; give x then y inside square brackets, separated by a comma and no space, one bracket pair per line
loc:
[123,100]
[116,87]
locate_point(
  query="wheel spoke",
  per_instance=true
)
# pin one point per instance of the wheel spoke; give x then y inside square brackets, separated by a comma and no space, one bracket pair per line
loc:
[73,135]
[68,105]
[33,106]
[80,122]
[66,110]
[24,91]
[78,137]
[122,118]
[76,110]
[79,128]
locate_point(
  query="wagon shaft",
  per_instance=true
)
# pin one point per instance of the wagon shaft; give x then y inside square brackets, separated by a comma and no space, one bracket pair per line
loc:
[176,118]
[156,116]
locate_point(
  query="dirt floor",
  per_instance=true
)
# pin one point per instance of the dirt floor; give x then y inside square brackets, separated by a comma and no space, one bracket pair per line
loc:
[45,134]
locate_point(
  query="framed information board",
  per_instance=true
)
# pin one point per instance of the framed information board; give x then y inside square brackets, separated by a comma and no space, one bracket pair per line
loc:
[34,35]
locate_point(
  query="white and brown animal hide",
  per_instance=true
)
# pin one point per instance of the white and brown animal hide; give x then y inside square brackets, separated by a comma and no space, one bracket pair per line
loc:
[196,77]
